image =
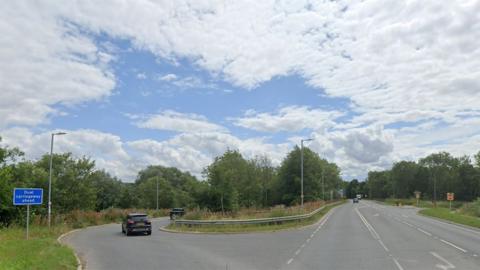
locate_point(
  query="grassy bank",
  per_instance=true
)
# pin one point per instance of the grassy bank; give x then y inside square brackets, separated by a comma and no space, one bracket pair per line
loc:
[254,227]
[454,216]
[42,251]
[252,213]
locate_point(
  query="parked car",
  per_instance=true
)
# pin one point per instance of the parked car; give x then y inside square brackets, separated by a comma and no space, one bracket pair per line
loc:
[176,212]
[355,200]
[136,223]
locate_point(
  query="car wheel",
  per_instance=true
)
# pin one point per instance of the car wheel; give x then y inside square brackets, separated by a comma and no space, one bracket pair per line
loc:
[149,233]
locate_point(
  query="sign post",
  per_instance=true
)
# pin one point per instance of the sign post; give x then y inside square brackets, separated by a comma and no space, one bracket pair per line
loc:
[27,196]
[417,195]
[450,198]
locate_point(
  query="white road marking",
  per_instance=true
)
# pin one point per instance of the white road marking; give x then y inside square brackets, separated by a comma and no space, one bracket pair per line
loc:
[397,264]
[297,252]
[457,247]
[475,255]
[383,245]
[377,237]
[290,261]
[448,265]
[451,224]
[425,232]
[308,240]
[408,224]
[405,216]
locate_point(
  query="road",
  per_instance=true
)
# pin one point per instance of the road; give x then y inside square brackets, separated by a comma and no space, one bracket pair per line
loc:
[367,235]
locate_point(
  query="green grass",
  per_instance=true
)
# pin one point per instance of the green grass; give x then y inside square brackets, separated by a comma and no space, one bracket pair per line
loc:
[454,216]
[253,227]
[422,203]
[41,251]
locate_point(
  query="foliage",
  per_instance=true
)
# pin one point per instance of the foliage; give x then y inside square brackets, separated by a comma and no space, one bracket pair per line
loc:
[439,170]
[81,192]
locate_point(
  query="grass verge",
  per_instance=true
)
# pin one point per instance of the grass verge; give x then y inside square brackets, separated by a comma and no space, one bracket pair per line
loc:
[41,251]
[253,227]
[445,213]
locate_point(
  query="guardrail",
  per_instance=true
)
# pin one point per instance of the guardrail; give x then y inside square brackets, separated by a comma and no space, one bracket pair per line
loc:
[275,220]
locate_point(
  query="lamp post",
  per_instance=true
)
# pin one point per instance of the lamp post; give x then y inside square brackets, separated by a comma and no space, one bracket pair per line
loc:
[50,180]
[301,168]
[157,193]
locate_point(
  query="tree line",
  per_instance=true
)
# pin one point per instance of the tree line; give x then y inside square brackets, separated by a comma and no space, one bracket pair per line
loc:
[440,171]
[230,182]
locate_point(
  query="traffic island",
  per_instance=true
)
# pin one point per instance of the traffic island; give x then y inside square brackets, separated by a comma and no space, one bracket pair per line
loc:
[249,225]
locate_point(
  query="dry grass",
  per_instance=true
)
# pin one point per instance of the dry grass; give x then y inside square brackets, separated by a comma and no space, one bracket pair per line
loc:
[252,213]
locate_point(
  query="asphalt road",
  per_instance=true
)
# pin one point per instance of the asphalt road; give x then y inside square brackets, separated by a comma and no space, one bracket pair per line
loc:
[353,236]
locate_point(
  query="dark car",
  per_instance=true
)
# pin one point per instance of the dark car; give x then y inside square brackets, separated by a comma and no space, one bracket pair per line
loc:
[136,223]
[355,200]
[176,212]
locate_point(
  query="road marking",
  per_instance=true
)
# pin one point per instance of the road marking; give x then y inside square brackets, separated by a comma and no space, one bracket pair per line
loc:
[383,245]
[425,232]
[377,237]
[405,216]
[408,224]
[454,225]
[397,264]
[369,227]
[475,255]
[308,240]
[297,252]
[457,247]
[448,265]
[290,261]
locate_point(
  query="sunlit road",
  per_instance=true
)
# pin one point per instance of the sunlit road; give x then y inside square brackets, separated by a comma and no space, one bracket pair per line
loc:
[353,236]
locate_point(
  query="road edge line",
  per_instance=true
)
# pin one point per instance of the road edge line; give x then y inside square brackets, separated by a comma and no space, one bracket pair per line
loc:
[448,222]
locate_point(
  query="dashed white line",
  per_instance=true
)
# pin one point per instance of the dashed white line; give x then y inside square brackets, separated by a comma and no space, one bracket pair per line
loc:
[408,224]
[297,252]
[448,265]
[450,244]
[290,261]
[425,232]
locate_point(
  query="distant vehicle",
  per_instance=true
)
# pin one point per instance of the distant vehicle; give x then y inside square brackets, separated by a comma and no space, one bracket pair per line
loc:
[176,212]
[355,200]
[136,223]
[359,196]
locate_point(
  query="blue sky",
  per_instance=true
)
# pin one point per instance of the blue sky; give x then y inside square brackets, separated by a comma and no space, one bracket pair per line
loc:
[178,83]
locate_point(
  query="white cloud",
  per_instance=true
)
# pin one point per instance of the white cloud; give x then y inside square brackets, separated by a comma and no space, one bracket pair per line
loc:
[397,61]
[47,61]
[168,77]
[187,151]
[141,76]
[290,118]
[107,150]
[180,122]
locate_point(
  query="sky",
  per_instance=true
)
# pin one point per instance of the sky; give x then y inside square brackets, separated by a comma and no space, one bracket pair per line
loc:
[177,83]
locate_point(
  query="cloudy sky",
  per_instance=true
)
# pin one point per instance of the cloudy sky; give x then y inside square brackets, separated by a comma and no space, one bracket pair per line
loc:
[176,83]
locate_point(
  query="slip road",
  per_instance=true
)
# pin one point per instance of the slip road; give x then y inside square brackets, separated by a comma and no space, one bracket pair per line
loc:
[352,236]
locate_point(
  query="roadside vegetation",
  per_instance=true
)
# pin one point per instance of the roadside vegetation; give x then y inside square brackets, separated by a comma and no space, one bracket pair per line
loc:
[257,227]
[458,175]
[252,213]
[83,195]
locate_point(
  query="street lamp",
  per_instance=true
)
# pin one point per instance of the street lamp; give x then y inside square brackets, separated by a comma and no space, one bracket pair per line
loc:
[301,168]
[50,180]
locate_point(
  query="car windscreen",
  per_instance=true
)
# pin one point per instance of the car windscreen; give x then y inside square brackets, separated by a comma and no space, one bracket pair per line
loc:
[138,218]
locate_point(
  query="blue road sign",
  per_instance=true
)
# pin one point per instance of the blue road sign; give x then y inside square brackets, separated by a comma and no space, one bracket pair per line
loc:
[27,196]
